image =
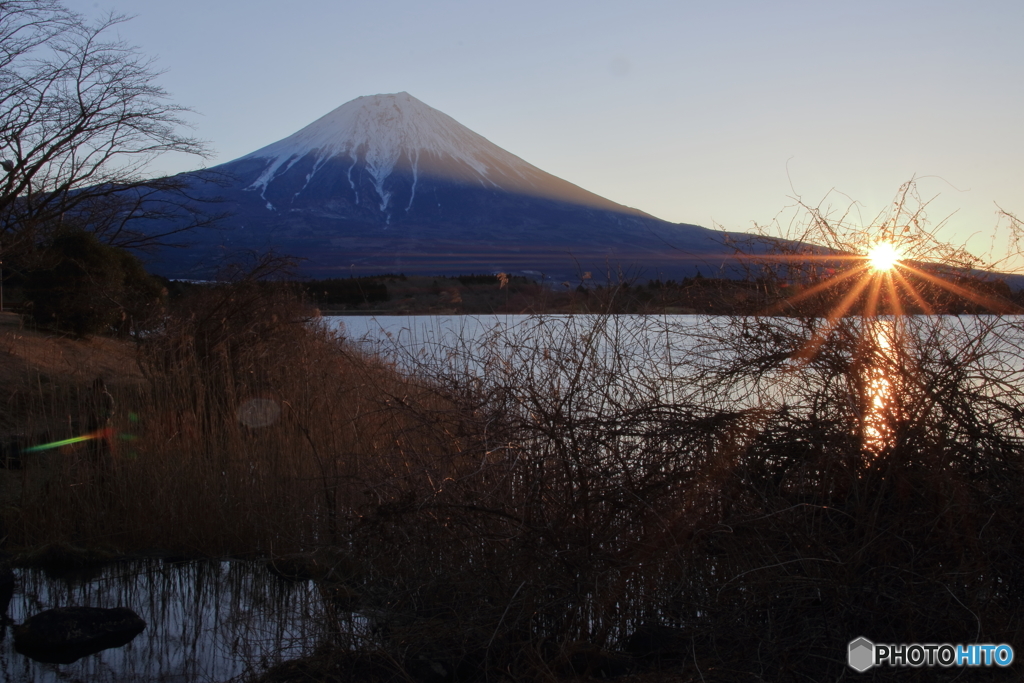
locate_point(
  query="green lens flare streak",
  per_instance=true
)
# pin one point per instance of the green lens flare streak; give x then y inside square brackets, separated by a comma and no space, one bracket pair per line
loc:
[65,442]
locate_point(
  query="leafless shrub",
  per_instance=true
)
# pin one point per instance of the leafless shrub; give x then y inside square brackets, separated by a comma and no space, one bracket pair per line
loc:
[739,497]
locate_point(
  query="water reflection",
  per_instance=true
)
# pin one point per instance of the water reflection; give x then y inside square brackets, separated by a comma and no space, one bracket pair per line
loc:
[207,621]
[881,382]
[638,348]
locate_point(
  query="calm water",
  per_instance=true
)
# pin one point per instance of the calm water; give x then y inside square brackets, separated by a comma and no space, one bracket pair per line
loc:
[433,340]
[658,356]
[206,621]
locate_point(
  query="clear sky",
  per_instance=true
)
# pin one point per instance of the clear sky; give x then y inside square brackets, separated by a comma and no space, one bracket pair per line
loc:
[716,112]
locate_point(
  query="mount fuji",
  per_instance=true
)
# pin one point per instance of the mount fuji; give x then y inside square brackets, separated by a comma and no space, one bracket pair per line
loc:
[387,184]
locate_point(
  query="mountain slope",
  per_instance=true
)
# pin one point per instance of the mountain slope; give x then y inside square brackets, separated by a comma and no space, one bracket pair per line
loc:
[386,183]
[386,134]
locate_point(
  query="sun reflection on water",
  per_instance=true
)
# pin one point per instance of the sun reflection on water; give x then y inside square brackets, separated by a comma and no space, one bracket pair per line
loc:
[881,384]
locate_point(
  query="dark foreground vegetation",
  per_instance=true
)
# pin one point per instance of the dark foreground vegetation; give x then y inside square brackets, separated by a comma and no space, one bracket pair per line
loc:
[608,499]
[606,496]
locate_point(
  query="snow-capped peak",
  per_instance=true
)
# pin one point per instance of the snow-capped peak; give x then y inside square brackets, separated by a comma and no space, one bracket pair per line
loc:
[385,131]
[382,133]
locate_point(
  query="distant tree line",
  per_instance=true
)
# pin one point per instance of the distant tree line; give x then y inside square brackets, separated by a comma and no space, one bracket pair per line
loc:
[478,279]
[347,292]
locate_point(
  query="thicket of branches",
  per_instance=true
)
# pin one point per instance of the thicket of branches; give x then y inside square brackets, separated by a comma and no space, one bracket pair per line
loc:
[724,509]
[81,118]
[730,499]
[80,285]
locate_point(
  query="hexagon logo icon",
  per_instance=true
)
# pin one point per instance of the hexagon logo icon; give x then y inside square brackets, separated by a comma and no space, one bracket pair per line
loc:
[861,654]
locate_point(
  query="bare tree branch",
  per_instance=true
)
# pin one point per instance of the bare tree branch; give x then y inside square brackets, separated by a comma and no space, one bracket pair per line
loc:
[81,119]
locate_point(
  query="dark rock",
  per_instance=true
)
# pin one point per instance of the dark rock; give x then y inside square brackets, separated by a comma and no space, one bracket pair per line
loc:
[295,567]
[66,634]
[175,558]
[69,562]
[6,589]
[11,453]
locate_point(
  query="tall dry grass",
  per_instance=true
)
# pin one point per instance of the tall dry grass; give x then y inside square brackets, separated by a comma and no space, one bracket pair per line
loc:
[193,467]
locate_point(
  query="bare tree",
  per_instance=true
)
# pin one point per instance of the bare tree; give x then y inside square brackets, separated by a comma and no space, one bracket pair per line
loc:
[81,118]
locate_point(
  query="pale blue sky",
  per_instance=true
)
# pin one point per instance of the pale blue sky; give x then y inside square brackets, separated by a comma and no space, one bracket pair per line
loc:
[711,112]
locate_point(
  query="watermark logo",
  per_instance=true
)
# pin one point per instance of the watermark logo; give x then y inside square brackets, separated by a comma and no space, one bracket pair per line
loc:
[862,654]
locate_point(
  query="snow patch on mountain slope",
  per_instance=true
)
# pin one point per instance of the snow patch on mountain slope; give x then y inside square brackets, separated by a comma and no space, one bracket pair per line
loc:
[415,179]
[379,130]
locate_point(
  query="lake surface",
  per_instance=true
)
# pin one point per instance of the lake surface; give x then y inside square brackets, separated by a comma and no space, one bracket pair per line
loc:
[415,332]
[416,340]
[206,621]
[659,356]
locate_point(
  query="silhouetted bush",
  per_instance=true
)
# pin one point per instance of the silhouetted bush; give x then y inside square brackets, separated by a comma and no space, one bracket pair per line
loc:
[81,285]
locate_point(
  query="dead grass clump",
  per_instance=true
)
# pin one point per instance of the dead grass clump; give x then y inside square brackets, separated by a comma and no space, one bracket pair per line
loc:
[256,432]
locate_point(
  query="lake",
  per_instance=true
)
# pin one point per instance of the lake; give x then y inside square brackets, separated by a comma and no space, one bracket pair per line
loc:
[732,362]
[206,621]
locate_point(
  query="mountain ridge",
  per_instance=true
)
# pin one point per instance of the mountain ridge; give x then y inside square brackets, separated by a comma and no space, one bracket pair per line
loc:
[386,183]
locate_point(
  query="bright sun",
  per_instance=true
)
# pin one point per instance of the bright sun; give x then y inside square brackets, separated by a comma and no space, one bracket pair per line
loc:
[883,256]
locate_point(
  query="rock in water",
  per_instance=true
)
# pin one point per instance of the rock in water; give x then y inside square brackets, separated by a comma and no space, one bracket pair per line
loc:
[66,634]
[6,589]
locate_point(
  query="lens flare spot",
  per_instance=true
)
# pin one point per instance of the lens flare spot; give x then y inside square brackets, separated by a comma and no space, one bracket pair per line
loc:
[258,412]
